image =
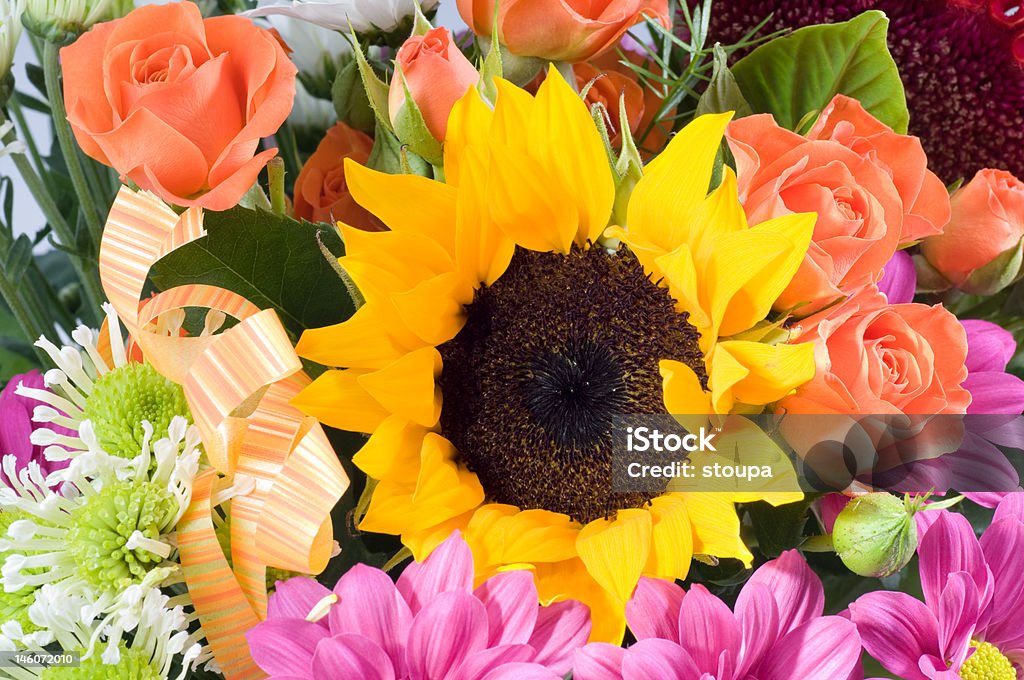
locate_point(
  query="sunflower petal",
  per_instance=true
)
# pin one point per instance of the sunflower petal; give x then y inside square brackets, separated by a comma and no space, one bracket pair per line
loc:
[768,373]
[683,393]
[408,387]
[716,526]
[433,310]
[671,538]
[361,341]
[469,125]
[616,550]
[337,399]
[392,452]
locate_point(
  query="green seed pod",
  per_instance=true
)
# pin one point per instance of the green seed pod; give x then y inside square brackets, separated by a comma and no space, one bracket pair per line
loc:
[875,535]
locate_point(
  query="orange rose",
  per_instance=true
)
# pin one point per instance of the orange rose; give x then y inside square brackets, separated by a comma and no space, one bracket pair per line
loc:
[437,75]
[980,247]
[924,196]
[875,358]
[321,194]
[560,30]
[860,212]
[178,104]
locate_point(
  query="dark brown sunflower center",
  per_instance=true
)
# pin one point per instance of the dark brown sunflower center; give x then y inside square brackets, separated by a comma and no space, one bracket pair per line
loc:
[549,354]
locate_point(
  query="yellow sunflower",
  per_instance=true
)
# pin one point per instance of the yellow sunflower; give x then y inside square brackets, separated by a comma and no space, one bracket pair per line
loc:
[497,341]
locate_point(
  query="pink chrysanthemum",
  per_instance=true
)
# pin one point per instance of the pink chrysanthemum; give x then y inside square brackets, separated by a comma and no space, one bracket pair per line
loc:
[432,625]
[776,633]
[970,624]
[962,62]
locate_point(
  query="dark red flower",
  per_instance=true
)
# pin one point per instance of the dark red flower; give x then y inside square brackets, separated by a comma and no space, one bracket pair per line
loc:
[962,62]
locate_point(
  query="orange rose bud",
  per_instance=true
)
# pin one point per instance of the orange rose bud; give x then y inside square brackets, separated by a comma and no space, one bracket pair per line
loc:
[321,194]
[980,249]
[560,30]
[436,74]
[178,104]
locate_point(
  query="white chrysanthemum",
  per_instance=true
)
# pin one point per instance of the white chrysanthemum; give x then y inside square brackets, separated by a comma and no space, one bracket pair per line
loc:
[10,33]
[15,146]
[99,631]
[365,16]
[74,15]
[99,534]
[104,405]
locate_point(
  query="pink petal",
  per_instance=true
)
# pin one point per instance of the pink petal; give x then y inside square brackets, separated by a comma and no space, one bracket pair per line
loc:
[598,661]
[796,589]
[448,569]
[477,665]
[957,615]
[1012,506]
[707,628]
[758,615]
[562,627]
[989,346]
[948,547]
[653,610]
[351,656]
[370,605]
[511,602]
[294,598]
[657,658]
[446,631]
[995,392]
[899,280]
[897,630]
[522,671]
[822,649]
[1003,545]
[285,646]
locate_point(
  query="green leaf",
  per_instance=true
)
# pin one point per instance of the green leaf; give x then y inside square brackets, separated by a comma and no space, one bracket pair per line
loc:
[792,76]
[779,528]
[351,102]
[377,91]
[722,93]
[274,261]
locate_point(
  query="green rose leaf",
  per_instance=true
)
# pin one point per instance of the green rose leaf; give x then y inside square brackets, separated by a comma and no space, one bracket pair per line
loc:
[274,261]
[796,76]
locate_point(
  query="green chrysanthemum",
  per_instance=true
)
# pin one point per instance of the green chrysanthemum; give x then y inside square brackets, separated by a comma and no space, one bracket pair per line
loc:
[14,606]
[125,397]
[133,665]
[113,536]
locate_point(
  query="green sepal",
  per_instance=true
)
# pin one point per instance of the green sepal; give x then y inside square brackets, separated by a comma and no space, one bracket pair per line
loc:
[412,130]
[1001,272]
[723,93]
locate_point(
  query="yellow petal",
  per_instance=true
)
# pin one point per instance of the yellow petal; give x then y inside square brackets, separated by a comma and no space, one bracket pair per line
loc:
[469,125]
[539,536]
[685,285]
[485,534]
[721,213]
[433,310]
[483,251]
[408,256]
[512,114]
[393,451]
[362,341]
[434,213]
[667,200]
[408,387]
[422,543]
[683,393]
[671,538]
[769,372]
[337,399]
[716,526]
[616,551]
[570,580]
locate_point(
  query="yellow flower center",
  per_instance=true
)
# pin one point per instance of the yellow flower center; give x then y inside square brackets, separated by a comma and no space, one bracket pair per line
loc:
[987,663]
[549,354]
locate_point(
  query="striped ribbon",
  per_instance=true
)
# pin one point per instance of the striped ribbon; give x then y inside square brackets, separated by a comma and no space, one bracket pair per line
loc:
[238,385]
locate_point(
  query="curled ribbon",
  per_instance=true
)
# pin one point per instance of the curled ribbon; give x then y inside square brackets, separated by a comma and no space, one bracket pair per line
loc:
[238,385]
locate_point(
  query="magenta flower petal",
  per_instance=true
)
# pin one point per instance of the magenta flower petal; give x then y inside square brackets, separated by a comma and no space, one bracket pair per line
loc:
[948,547]
[285,646]
[511,602]
[351,656]
[821,649]
[993,392]
[653,611]
[897,630]
[957,615]
[447,630]
[521,671]
[598,661]
[448,569]
[477,665]
[372,607]
[989,346]
[1003,545]
[899,279]
[758,615]
[796,589]
[1011,507]
[707,629]
[562,627]
[657,658]
[294,598]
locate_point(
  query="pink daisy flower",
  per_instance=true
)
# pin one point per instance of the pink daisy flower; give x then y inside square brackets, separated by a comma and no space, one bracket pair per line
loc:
[777,632]
[970,623]
[432,625]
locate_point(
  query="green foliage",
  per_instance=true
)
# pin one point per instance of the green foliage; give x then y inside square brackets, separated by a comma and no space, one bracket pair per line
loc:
[781,528]
[797,76]
[274,261]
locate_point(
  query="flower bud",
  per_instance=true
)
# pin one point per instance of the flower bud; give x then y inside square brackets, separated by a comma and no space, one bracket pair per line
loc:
[875,535]
[980,250]
[10,32]
[60,21]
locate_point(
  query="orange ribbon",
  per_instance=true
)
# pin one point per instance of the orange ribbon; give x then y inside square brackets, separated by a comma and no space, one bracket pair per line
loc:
[238,385]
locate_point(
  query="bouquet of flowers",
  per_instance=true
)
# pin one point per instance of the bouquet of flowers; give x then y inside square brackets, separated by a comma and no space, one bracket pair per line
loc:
[512,340]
